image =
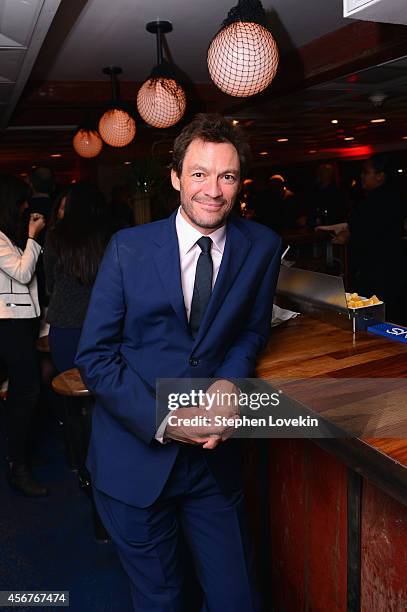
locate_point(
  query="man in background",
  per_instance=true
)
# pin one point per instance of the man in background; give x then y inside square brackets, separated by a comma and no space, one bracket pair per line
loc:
[374,234]
[42,183]
[277,206]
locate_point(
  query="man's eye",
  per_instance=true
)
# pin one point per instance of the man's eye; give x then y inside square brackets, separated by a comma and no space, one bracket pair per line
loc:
[230,178]
[198,174]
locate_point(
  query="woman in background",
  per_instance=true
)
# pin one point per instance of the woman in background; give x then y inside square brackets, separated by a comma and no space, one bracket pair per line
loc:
[19,317]
[73,250]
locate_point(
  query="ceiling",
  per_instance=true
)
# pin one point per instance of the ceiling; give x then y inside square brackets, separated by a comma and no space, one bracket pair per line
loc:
[24,25]
[52,53]
[110,32]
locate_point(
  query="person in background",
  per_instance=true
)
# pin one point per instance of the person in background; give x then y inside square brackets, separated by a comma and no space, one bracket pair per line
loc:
[57,211]
[74,247]
[19,312]
[121,212]
[276,206]
[42,183]
[374,233]
[326,203]
[48,370]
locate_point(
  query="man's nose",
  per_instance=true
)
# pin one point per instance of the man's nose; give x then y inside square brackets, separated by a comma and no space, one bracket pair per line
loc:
[212,187]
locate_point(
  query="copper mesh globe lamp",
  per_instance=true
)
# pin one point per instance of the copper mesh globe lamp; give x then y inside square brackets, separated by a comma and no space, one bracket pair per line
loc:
[87,143]
[243,56]
[161,101]
[116,126]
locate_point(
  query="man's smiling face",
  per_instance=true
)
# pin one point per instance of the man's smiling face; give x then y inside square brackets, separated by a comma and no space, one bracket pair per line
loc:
[209,183]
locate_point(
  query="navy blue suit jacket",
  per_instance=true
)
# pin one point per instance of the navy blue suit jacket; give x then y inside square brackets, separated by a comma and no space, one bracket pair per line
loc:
[136,331]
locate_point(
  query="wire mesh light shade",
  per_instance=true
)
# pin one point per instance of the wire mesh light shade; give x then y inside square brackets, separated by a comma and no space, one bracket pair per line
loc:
[87,143]
[243,59]
[161,102]
[117,128]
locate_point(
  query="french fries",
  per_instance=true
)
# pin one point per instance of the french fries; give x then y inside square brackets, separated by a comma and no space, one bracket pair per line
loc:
[354,300]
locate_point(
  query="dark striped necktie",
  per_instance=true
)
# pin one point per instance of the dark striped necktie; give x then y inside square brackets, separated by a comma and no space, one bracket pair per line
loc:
[202,285]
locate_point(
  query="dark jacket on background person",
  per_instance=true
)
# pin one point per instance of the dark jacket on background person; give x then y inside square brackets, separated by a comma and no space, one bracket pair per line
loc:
[40,204]
[326,205]
[376,254]
[279,212]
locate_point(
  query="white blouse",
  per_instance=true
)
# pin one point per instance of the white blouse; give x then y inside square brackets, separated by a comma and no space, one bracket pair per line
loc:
[18,283]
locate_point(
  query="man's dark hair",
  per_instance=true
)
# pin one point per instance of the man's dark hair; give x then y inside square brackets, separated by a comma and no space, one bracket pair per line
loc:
[42,180]
[211,128]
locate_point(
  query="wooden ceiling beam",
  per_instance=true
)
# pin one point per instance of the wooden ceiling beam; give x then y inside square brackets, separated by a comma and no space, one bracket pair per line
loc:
[352,48]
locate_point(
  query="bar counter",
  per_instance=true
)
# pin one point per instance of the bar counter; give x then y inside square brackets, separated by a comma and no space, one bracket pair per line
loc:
[337,508]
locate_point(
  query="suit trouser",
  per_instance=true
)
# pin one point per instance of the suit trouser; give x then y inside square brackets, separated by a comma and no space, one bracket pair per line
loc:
[213,525]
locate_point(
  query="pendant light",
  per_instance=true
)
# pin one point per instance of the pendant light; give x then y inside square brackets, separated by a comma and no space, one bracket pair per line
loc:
[161,100]
[86,141]
[116,126]
[243,56]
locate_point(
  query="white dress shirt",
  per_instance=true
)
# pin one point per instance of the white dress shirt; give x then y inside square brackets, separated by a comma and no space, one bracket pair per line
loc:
[189,253]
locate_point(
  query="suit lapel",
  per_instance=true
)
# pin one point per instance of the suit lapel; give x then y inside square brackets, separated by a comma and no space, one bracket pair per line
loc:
[166,257]
[237,247]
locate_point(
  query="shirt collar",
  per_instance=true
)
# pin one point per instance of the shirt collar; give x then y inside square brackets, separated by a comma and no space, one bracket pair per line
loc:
[188,235]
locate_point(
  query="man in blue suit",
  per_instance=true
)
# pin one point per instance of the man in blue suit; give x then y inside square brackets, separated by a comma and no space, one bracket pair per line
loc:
[187,297]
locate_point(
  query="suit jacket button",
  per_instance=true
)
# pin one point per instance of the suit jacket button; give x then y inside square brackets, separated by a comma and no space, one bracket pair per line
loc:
[193,362]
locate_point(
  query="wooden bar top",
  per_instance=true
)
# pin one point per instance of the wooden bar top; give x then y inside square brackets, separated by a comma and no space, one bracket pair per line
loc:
[324,355]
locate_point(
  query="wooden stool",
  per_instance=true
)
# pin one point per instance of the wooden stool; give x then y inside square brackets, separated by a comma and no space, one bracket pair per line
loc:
[42,344]
[70,385]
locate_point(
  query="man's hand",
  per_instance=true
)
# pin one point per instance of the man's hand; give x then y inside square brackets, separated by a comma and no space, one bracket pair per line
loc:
[227,405]
[335,228]
[341,238]
[179,427]
[339,231]
[221,400]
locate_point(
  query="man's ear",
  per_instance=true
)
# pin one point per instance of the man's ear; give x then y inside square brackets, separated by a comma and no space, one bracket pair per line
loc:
[175,180]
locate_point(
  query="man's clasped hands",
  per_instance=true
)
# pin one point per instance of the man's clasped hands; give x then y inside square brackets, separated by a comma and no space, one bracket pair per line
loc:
[211,431]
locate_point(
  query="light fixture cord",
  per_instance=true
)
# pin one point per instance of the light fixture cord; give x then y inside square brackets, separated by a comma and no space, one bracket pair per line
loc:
[159,46]
[115,86]
[116,102]
[164,73]
[247,10]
